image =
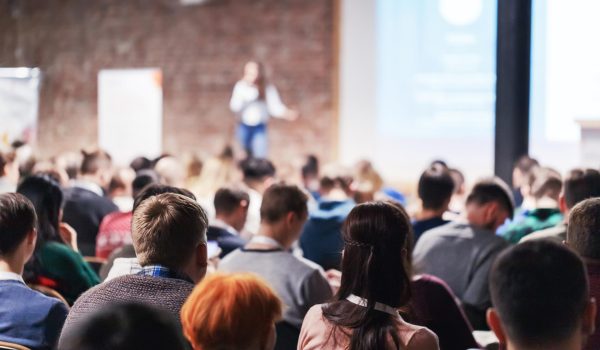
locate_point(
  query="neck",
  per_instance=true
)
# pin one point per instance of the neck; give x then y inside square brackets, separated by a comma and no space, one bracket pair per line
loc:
[10,265]
[426,214]
[575,342]
[227,220]
[274,233]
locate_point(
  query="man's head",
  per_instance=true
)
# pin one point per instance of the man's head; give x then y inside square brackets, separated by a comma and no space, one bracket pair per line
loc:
[155,189]
[522,169]
[543,183]
[335,182]
[283,211]
[231,206]
[142,179]
[171,171]
[96,166]
[540,297]
[258,172]
[489,204]
[17,229]
[583,231]
[170,230]
[579,185]
[435,188]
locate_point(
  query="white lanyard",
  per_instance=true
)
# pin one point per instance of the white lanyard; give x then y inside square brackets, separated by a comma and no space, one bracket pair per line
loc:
[260,239]
[378,306]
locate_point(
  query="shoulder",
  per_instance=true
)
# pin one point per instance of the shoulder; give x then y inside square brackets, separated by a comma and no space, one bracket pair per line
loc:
[422,339]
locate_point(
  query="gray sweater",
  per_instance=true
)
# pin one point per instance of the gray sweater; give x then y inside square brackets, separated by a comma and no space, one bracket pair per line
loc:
[299,283]
[168,294]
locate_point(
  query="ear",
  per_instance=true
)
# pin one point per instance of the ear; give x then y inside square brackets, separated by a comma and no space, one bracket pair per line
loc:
[490,211]
[493,320]
[562,204]
[290,218]
[32,237]
[588,324]
[201,255]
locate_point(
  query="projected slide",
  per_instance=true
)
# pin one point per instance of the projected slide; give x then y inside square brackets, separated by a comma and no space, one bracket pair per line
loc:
[436,68]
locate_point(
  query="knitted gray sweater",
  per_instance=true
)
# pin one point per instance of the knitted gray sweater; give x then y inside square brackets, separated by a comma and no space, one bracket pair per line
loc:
[168,294]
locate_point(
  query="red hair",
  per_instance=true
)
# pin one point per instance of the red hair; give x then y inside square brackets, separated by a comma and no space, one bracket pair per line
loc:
[230,310]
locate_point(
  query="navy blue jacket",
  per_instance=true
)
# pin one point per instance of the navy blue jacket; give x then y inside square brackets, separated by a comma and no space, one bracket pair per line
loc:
[227,241]
[29,318]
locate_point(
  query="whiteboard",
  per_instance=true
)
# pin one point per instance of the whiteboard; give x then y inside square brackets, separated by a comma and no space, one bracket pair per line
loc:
[130,104]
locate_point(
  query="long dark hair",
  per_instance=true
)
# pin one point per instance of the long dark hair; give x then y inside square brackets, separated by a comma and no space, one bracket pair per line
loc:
[375,266]
[47,197]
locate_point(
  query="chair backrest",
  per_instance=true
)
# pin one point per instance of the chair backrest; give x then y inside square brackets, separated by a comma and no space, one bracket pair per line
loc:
[49,292]
[12,346]
[95,262]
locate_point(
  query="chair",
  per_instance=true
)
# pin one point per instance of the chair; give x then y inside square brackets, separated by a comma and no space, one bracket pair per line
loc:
[49,292]
[287,336]
[12,346]
[95,262]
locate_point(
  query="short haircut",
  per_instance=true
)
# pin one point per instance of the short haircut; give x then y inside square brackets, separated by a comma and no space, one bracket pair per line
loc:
[257,168]
[540,291]
[95,161]
[140,163]
[166,229]
[228,199]
[156,189]
[17,219]
[458,177]
[207,314]
[545,182]
[525,164]
[583,231]
[124,326]
[435,187]
[493,189]
[581,184]
[280,199]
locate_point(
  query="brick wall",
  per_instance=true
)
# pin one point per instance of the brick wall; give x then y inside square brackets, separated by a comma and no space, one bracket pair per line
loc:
[200,49]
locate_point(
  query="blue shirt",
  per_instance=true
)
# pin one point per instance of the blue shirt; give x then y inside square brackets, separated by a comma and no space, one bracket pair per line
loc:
[161,271]
[29,318]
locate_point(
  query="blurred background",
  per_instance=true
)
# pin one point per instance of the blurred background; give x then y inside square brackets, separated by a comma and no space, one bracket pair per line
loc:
[477,83]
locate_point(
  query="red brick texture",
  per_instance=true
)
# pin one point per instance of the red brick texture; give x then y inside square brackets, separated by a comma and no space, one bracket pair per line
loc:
[200,49]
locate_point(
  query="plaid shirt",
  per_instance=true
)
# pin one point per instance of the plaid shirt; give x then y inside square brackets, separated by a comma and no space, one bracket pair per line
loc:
[161,271]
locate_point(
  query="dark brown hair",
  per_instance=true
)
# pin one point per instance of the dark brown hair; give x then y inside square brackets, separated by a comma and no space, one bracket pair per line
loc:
[94,161]
[581,184]
[228,199]
[166,229]
[375,266]
[280,199]
[583,231]
[17,219]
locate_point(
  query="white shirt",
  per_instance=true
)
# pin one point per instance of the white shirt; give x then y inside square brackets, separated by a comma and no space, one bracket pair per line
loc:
[251,110]
[88,185]
[11,276]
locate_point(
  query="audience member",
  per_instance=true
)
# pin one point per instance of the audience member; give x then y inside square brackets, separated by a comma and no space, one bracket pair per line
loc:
[258,175]
[115,229]
[375,284]
[207,314]
[9,172]
[321,239]
[541,301]
[540,205]
[583,235]
[126,326]
[457,202]
[522,170]
[217,172]
[461,254]
[298,282]
[70,162]
[435,190]
[169,235]
[367,182]
[120,190]
[171,171]
[85,204]
[124,259]
[27,317]
[231,210]
[141,163]
[580,184]
[310,175]
[56,263]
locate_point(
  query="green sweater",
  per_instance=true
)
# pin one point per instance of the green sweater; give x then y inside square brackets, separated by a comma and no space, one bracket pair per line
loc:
[72,274]
[532,221]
